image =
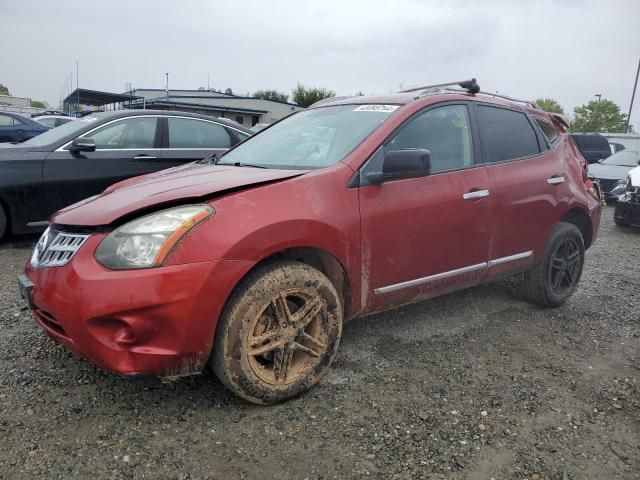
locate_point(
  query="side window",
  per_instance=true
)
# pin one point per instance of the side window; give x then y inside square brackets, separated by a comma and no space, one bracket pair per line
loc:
[549,132]
[135,132]
[506,134]
[6,121]
[49,122]
[191,133]
[444,131]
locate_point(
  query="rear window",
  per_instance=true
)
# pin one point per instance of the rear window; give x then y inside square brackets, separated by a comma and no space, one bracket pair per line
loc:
[549,132]
[592,142]
[506,134]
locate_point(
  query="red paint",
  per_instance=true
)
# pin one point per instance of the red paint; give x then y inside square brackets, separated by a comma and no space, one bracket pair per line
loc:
[163,319]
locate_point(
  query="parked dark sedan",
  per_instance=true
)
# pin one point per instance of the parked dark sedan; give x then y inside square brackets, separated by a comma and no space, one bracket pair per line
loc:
[16,128]
[81,158]
[612,170]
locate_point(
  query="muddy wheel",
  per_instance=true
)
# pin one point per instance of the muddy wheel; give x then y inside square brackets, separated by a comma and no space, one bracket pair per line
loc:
[278,333]
[3,222]
[555,278]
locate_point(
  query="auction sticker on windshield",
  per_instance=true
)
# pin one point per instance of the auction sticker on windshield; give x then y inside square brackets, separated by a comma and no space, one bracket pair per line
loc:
[376,108]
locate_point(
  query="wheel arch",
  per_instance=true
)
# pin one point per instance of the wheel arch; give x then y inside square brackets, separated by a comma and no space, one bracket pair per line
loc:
[581,219]
[321,260]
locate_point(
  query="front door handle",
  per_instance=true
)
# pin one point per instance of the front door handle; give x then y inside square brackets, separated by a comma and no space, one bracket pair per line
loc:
[556,180]
[475,194]
[144,157]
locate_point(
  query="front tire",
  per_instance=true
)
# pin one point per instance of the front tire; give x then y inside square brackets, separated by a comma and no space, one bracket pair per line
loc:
[279,332]
[3,222]
[555,278]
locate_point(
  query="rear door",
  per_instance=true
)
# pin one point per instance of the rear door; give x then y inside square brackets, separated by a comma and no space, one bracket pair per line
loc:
[125,148]
[188,139]
[425,236]
[527,184]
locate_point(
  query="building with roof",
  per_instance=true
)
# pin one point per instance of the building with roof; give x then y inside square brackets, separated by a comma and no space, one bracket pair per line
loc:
[21,105]
[247,111]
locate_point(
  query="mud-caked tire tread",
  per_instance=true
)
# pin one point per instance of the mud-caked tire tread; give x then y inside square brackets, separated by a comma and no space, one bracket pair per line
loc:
[227,356]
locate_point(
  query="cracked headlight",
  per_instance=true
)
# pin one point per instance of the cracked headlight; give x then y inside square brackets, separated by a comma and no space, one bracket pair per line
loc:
[147,241]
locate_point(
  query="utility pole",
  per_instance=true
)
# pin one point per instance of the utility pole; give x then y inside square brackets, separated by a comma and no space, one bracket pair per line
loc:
[167,85]
[77,86]
[208,87]
[635,85]
[597,110]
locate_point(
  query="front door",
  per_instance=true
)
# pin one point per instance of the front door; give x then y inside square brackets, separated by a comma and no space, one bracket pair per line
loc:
[425,236]
[124,148]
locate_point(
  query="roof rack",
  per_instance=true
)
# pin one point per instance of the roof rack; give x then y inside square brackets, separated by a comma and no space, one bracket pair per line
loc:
[511,99]
[471,86]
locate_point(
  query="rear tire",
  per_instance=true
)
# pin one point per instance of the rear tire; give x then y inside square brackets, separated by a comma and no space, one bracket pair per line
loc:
[619,222]
[554,279]
[3,222]
[279,332]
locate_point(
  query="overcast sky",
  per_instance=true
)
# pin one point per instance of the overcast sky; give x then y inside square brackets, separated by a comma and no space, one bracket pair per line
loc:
[566,49]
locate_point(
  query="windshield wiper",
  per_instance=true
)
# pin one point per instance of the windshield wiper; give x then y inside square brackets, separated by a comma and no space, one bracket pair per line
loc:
[210,160]
[243,164]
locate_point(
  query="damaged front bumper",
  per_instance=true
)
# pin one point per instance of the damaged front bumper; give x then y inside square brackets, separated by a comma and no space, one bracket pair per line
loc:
[152,321]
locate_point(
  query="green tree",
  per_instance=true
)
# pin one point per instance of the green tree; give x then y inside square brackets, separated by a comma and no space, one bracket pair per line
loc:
[228,91]
[271,95]
[599,116]
[549,105]
[39,104]
[4,90]
[306,97]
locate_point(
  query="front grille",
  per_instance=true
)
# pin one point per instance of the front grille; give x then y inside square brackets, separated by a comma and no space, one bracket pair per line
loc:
[607,185]
[55,249]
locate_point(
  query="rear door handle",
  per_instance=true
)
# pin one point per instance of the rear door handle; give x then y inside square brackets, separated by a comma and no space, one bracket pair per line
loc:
[475,194]
[555,180]
[144,157]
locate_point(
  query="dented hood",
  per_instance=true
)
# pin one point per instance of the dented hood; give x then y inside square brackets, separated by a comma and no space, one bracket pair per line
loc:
[190,182]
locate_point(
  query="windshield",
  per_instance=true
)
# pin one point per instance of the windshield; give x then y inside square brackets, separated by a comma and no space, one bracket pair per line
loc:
[315,138]
[625,158]
[58,133]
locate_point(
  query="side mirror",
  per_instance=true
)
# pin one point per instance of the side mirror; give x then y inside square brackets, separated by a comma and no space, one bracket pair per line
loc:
[398,164]
[83,145]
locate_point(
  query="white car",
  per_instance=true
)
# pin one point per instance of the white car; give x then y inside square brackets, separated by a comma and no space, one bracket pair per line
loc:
[52,121]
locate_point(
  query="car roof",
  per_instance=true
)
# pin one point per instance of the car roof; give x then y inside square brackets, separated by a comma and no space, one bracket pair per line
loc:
[406,98]
[167,113]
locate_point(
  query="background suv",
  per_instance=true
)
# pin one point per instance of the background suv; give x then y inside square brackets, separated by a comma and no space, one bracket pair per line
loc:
[251,265]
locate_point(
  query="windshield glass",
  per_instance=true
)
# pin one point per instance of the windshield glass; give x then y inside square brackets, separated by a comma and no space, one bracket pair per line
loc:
[625,158]
[58,133]
[314,138]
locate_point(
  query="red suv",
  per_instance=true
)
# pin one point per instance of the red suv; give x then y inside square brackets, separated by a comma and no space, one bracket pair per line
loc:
[252,262]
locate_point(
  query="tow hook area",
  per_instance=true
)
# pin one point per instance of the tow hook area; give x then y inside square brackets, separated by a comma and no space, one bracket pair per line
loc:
[187,365]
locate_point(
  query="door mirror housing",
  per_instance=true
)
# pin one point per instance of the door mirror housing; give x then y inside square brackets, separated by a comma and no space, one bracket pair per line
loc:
[83,145]
[399,164]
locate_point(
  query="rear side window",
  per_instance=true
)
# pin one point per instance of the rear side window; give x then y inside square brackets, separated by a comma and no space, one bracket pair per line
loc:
[550,133]
[191,133]
[506,134]
[6,121]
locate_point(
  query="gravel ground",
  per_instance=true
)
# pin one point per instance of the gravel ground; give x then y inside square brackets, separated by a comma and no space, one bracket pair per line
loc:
[474,385]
